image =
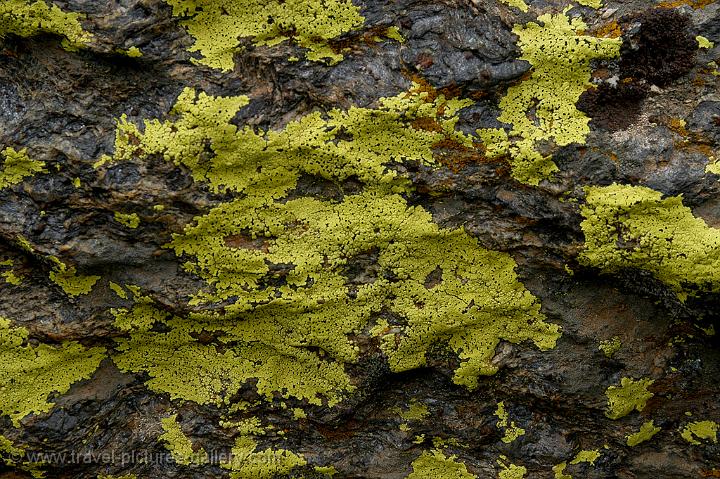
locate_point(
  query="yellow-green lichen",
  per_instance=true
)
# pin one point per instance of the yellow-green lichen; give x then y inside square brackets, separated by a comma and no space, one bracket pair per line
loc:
[416,411]
[267,165]
[67,278]
[510,471]
[435,465]
[217,26]
[9,274]
[326,470]
[519,4]
[610,346]
[276,269]
[704,42]
[541,109]
[26,19]
[584,456]
[130,220]
[14,456]
[646,432]
[132,52]
[247,463]
[179,445]
[512,431]
[591,3]
[29,374]
[633,226]
[631,395]
[180,365]
[700,430]
[559,471]
[17,165]
[588,456]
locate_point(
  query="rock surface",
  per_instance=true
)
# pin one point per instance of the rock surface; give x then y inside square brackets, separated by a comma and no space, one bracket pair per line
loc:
[299,239]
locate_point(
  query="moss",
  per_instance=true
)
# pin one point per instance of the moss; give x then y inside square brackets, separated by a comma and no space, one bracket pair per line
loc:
[610,346]
[510,471]
[435,465]
[126,476]
[216,26]
[700,430]
[512,431]
[27,19]
[29,374]
[246,462]
[632,226]
[630,396]
[646,432]
[179,445]
[538,110]
[67,278]
[131,220]
[17,165]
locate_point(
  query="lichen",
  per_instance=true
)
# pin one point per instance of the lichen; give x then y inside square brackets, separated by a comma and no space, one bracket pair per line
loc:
[26,19]
[9,274]
[519,4]
[512,431]
[610,346]
[584,456]
[130,220]
[435,465]
[559,471]
[631,395]
[17,165]
[179,445]
[700,430]
[646,432]
[541,108]
[588,456]
[416,411]
[67,278]
[704,42]
[30,374]
[216,26]
[510,471]
[276,270]
[633,227]
[266,464]
[713,165]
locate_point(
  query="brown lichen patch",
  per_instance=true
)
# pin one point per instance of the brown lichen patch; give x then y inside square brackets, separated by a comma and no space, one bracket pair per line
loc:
[609,30]
[663,49]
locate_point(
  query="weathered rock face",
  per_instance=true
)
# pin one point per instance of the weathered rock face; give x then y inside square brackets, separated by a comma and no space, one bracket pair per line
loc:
[369,239]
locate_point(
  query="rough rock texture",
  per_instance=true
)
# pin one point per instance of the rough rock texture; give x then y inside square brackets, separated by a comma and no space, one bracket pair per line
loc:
[296,239]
